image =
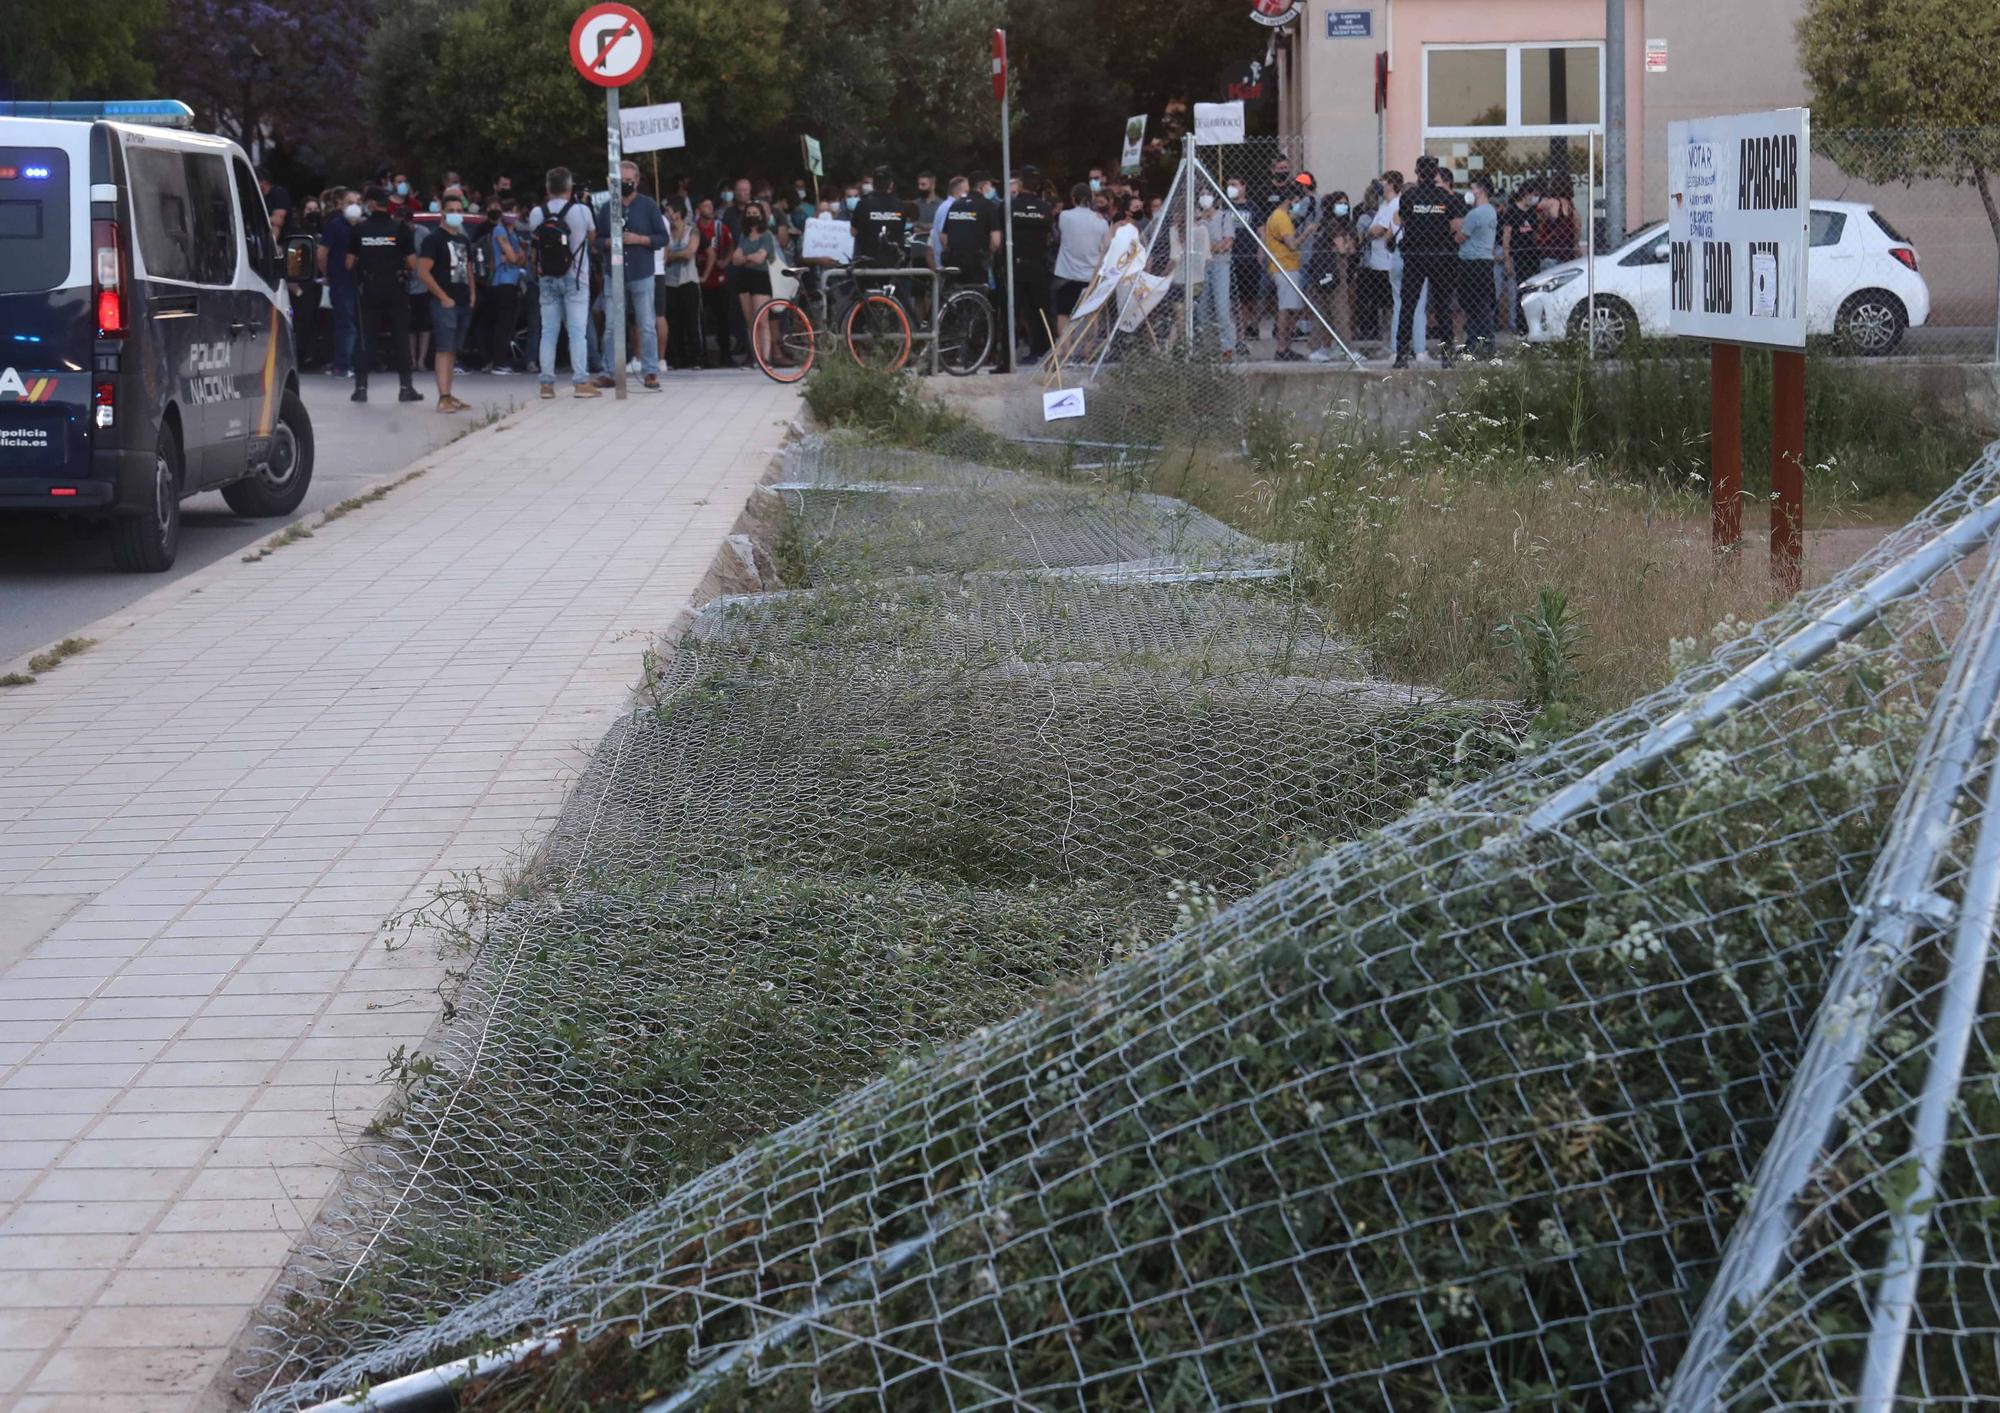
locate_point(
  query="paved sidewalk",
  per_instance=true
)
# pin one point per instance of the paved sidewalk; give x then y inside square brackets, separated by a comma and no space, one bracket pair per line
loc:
[205,819]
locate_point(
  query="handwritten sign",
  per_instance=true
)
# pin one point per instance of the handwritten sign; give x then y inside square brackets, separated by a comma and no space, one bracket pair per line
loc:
[828,238]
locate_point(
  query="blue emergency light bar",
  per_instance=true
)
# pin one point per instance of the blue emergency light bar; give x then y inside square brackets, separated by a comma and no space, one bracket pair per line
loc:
[159,112]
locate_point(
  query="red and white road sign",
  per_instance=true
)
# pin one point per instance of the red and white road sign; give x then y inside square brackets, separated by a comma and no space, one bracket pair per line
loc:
[999,63]
[610,45]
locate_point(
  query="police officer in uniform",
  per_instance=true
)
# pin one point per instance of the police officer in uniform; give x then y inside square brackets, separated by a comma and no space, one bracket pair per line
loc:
[882,224]
[1430,255]
[1034,219]
[382,253]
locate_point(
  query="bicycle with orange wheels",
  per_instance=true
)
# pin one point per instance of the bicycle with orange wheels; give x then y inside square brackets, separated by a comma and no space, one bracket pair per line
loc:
[784,341]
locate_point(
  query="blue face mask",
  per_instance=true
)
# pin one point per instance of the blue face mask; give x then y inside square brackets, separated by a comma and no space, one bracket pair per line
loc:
[852,202]
[402,188]
[1096,185]
[1340,208]
[454,219]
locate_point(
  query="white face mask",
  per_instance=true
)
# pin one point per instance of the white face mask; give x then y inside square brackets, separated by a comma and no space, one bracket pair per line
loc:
[1235,194]
[1340,208]
[1207,200]
[352,210]
[867,188]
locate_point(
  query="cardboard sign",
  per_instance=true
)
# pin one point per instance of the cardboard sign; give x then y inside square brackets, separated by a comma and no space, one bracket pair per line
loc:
[828,238]
[814,162]
[1061,404]
[1738,223]
[652,129]
[1135,145]
[1218,123]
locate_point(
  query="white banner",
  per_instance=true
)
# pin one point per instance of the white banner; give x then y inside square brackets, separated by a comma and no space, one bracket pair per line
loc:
[1218,123]
[828,238]
[651,129]
[1738,227]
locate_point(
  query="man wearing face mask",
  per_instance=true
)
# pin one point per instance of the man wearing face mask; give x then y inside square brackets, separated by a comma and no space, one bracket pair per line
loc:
[1285,234]
[645,232]
[445,267]
[335,237]
[507,257]
[380,253]
[1430,256]
[1033,220]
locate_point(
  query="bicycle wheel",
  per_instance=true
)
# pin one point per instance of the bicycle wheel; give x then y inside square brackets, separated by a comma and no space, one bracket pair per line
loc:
[878,333]
[783,341]
[965,332]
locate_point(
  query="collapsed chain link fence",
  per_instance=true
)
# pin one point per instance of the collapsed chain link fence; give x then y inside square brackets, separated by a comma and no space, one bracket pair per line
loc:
[1020,725]
[1472,1110]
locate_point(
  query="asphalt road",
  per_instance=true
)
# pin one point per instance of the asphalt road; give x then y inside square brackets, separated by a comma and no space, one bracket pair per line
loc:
[56,576]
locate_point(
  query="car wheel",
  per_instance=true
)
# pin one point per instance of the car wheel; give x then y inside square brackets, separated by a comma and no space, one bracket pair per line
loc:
[146,542]
[277,486]
[1615,324]
[1870,323]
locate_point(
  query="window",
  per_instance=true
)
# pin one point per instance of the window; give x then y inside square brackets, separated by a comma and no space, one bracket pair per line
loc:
[257,237]
[1525,89]
[160,212]
[1887,229]
[1827,227]
[214,219]
[1654,252]
[34,218]
[187,227]
[1467,88]
[1559,86]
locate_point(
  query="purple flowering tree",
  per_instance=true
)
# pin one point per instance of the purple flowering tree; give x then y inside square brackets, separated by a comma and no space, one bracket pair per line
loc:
[271,72]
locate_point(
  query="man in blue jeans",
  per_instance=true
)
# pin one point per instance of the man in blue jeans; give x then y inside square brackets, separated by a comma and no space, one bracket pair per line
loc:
[645,232]
[561,260]
[332,256]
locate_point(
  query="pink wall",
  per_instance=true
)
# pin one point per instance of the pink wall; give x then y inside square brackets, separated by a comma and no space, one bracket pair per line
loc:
[1420,22]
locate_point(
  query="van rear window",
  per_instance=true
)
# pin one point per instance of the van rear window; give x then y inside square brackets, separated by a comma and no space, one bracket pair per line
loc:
[34,218]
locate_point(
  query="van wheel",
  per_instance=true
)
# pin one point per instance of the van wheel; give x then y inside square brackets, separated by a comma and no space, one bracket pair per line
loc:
[1616,325]
[277,487]
[145,543]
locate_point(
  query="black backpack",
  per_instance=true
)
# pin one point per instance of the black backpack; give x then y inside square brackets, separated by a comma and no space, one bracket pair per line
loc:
[553,257]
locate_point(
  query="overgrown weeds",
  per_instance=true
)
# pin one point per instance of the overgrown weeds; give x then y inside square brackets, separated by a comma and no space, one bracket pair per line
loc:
[47,661]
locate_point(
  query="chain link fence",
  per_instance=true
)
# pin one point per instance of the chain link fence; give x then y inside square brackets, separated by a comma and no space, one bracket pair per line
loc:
[1652,1065]
[1004,734]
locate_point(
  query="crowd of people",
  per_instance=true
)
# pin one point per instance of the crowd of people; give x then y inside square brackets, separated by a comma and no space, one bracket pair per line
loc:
[390,273]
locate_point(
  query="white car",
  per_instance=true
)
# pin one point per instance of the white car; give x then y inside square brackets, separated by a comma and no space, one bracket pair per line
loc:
[1862,285]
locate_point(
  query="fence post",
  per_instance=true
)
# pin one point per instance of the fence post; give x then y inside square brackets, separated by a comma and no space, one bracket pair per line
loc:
[1187,238]
[1725,443]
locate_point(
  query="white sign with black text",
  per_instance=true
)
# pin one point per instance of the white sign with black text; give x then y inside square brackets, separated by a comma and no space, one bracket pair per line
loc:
[651,129]
[1217,123]
[1738,226]
[828,238]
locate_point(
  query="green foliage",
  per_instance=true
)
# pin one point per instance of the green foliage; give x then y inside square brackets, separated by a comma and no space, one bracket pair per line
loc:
[1547,642]
[892,407]
[1643,417]
[483,86]
[79,49]
[1901,65]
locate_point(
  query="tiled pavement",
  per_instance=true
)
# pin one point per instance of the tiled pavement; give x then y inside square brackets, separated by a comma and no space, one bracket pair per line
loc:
[205,819]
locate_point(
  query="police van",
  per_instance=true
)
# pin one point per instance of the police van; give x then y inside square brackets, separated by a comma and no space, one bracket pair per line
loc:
[146,346]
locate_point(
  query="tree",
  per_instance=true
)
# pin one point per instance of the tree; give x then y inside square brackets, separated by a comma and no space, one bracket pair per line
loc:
[1905,90]
[78,49]
[269,71]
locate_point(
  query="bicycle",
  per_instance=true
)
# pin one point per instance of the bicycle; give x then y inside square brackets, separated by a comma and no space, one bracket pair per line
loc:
[879,324]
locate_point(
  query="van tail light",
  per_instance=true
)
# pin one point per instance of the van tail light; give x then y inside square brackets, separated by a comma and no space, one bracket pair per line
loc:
[110,269]
[1904,255]
[104,404]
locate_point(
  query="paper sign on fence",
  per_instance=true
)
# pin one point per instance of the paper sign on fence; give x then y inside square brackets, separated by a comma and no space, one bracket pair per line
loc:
[828,238]
[1217,123]
[1062,403]
[652,128]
